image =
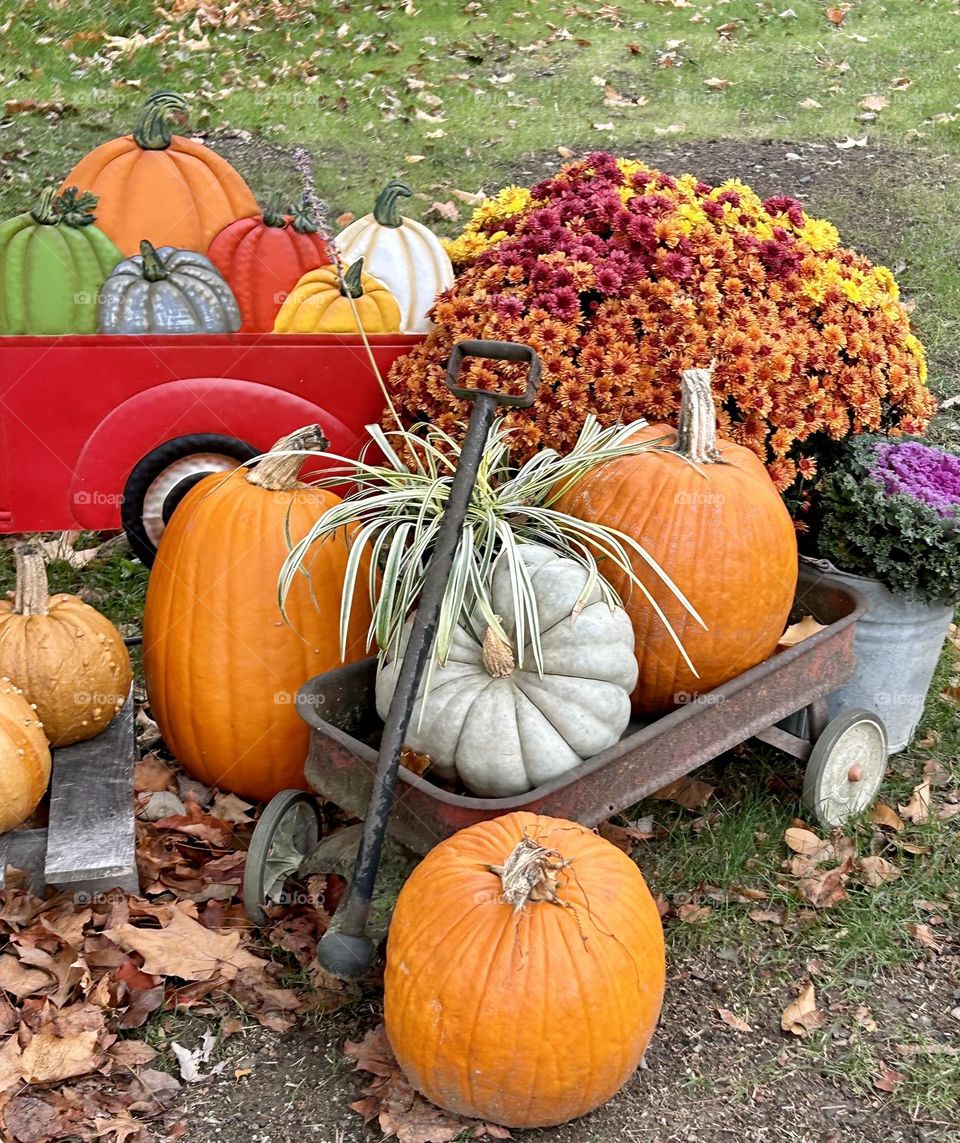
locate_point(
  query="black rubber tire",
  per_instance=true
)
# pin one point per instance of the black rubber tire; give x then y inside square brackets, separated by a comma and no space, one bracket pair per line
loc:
[146,471]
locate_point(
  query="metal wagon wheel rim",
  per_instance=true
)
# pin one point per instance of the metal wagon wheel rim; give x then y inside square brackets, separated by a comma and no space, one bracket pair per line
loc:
[288,829]
[846,767]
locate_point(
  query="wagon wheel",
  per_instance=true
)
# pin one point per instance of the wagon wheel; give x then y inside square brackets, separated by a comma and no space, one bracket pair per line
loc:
[165,475]
[846,767]
[288,829]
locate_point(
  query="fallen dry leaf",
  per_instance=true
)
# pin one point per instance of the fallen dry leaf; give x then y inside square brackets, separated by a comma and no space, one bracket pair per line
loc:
[693,914]
[917,810]
[849,141]
[801,1016]
[773,916]
[923,935]
[887,1079]
[447,210]
[874,102]
[883,815]
[876,871]
[797,632]
[398,1109]
[936,773]
[626,838]
[825,888]
[836,13]
[690,793]
[732,1020]
[65,1045]
[185,949]
[809,104]
[864,1018]
[717,84]
[806,842]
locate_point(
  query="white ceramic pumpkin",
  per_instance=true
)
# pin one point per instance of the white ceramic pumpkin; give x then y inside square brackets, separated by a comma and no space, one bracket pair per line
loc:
[404,254]
[504,730]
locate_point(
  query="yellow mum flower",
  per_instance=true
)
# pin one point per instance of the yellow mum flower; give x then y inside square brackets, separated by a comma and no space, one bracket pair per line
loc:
[819,234]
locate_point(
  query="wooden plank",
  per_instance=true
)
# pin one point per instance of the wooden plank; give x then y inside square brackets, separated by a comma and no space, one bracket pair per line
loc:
[91,834]
[24,849]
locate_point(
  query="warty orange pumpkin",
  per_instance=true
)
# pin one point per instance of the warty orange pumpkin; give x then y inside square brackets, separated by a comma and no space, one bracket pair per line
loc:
[708,513]
[24,757]
[163,187]
[222,664]
[525,971]
[68,659]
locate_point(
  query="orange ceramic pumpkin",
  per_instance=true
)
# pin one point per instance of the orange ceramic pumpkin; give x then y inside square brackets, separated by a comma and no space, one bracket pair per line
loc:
[525,971]
[321,303]
[160,186]
[708,513]
[264,258]
[222,665]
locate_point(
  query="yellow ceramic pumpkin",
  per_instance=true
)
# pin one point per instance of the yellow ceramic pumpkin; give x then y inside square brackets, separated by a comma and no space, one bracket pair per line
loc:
[320,303]
[24,757]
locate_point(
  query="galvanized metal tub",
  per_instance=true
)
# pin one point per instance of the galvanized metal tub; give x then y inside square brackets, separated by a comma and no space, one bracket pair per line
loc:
[340,710]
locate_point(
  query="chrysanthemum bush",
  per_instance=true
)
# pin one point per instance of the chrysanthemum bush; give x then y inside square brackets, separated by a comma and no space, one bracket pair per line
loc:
[621,276]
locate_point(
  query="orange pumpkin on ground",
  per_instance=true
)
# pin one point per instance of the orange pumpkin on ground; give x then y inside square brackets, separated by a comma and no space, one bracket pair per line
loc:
[321,303]
[264,258]
[160,186]
[24,757]
[708,513]
[525,971]
[222,665]
[68,659]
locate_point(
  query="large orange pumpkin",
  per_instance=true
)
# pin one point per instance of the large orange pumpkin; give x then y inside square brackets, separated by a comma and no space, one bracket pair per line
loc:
[222,665]
[708,513]
[160,186]
[525,971]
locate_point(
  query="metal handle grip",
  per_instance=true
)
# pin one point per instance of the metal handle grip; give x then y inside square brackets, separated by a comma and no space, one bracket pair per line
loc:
[494,351]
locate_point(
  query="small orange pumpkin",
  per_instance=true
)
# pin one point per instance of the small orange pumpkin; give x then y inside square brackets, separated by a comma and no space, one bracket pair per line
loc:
[24,757]
[525,971]
[69,660]
[321,303]
[156,185]
[222,665]
[705,509]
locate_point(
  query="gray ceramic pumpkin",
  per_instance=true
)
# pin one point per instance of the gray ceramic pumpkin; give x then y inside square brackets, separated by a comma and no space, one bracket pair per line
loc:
[167,291]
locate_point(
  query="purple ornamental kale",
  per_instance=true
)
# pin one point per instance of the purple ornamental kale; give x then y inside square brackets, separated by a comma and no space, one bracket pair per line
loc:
[926,474]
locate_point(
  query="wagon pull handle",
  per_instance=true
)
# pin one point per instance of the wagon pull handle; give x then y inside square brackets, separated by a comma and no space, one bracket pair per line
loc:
[494,351]
[345,949]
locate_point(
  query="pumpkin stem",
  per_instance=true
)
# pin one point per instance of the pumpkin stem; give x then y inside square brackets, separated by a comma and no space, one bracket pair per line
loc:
[351,284]
[153,267]
[386,209]
[530,875]
[281,473]
[75,206]
[44,212]
[697,425]
[498,660]
[32,593]
[304,221]
[273,214]
[152,132]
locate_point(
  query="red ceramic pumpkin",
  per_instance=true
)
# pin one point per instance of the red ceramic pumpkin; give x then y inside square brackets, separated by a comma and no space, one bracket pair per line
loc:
[263,259]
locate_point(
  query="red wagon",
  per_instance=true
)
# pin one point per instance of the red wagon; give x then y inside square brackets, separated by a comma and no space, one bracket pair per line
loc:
[99,431]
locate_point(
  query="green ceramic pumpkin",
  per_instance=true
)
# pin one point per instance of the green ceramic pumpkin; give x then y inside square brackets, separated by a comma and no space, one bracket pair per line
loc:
[53,262]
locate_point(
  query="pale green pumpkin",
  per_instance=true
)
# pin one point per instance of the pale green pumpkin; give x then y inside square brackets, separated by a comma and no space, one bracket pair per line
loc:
[53,263]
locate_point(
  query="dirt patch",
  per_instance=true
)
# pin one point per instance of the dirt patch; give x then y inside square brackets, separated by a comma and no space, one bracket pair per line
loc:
[701,1082]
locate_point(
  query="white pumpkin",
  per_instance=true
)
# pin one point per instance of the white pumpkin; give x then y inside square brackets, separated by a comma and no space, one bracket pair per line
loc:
[503,730]
[404,254]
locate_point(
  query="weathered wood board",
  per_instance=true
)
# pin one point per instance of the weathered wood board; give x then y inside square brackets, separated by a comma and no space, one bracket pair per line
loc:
[89,843]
